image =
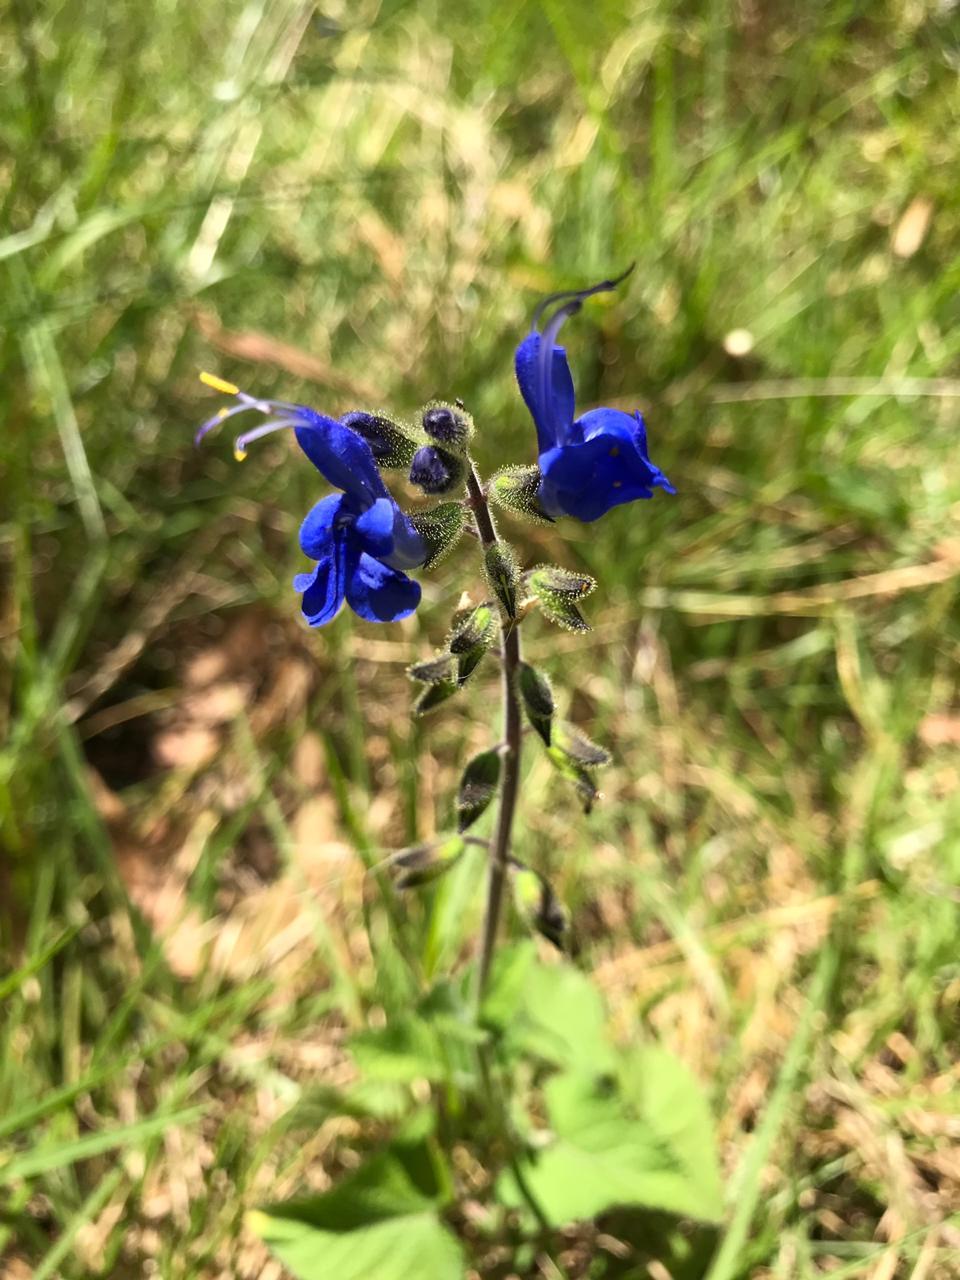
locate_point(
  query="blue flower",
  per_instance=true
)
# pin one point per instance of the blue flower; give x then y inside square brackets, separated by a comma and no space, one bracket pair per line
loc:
[360,538]
[591,463]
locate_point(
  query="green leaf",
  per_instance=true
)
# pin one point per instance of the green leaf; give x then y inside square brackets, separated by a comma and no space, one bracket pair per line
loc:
[58,1154]
[435,1041]
[395,1248]
[537,697]
[381,1221]
[441,528]
[478,786]
[423,863]
[439,669]
[551,1012]
[503,574]
[638,1136]
[515,489]
[401,1051]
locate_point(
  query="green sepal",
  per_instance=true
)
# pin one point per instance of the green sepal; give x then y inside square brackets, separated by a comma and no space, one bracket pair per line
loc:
[440,528]
[423,863]
[503,574]
[393,447]
[560,581]
[515,489]
[576,773]
[471,634]
[558,590]
[441,667]
[575,744]
[537,698]
[434,695]
[540,906]
[478,786]
[472,628]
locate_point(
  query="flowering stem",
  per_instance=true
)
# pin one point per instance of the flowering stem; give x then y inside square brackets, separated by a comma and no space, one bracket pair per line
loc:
[512,742]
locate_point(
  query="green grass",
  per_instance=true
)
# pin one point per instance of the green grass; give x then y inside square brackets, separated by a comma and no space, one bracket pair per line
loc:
[770,883]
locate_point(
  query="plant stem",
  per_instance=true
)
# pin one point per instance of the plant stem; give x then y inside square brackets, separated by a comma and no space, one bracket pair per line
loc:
[512,744]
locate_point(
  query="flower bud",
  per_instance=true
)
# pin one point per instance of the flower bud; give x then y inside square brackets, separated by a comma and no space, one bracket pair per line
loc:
[446,425]
[436,471]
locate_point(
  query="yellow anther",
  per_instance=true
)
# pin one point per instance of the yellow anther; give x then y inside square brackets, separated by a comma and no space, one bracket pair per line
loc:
[239,453]
[615,451]
[223,413]
[219,384]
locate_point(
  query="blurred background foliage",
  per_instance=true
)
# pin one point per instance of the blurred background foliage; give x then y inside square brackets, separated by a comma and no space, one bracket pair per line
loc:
[357,205]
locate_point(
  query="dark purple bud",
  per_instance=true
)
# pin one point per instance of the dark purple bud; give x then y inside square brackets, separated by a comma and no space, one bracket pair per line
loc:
[435,470]
[446,425]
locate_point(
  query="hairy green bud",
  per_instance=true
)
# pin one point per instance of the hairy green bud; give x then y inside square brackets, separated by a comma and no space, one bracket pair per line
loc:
[515,489]
[478,786]
[423,863]
[540,906]
[558,590]
[503,574]
[537,697]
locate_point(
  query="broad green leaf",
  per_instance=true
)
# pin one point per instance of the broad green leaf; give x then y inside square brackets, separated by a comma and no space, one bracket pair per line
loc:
[415,1244]
[408,1050]
[607,1153]
[380,1222]
[672,1103]
[638,1136]
[552,1012]
[435,1042]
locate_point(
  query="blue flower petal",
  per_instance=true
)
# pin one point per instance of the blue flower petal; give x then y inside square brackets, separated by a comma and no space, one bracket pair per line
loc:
[340,455]
[553,413]
[607,469]
[632,430]
[380,594]
[374,528]
[409,547]
[324,589]
[317,529]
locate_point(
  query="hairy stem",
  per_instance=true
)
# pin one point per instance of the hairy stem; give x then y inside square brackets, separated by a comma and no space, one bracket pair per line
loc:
[512,743]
